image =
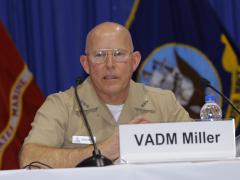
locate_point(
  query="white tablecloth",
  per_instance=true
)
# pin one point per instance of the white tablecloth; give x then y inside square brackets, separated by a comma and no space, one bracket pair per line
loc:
[215,170]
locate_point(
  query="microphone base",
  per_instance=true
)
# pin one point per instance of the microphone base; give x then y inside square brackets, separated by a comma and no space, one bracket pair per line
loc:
[95,161]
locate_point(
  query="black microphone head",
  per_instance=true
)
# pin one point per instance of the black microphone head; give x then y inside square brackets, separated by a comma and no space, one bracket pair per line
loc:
[79,80]
[95,161]
[205,82]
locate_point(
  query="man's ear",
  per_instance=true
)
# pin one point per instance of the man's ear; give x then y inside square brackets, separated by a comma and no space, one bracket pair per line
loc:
[136,59]
[84,63]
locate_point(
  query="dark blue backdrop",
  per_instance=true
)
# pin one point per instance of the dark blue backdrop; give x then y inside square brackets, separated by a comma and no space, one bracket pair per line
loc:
[50,34]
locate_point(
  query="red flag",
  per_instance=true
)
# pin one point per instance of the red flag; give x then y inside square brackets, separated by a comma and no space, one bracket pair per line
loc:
[20,97]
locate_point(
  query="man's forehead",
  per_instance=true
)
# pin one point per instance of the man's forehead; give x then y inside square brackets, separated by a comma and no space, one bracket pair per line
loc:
[108,32]
[107,27]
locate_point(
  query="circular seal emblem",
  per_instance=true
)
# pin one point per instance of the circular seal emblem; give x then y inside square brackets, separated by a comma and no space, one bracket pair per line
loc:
[179,68]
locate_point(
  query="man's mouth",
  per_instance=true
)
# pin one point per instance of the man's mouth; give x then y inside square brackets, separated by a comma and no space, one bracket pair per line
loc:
[109,77]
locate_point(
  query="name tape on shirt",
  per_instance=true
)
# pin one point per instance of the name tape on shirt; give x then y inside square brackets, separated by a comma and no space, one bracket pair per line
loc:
[82,139]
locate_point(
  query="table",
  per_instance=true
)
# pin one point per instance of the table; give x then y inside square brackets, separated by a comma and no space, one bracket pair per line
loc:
[219,170]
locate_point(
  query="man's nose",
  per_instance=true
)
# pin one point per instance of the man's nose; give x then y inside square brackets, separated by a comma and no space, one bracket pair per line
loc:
[110,60]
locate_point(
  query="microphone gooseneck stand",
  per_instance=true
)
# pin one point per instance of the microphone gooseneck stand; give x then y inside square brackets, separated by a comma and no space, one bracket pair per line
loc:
[208,84]
[97,159]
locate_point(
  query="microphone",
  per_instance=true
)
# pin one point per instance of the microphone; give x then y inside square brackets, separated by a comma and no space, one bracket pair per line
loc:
[208,84]
[97,159]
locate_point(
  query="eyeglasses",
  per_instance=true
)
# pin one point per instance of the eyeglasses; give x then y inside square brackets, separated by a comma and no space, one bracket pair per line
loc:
[100,55]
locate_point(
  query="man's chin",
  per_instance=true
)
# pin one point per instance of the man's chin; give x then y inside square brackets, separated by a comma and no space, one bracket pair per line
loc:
[112,91]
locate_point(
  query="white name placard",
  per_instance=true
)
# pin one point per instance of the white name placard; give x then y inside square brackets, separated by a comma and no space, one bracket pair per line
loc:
[178,141]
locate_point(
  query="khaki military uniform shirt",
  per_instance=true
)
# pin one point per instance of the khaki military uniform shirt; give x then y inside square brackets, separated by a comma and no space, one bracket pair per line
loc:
[59,118]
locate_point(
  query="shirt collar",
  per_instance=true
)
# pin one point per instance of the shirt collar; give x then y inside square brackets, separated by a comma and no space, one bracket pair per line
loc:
[87,96]
[137,99]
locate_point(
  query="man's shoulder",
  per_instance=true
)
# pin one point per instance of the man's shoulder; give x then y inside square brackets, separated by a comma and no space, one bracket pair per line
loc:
[152,90]
[69,94]
[68,98]
[62,97]
[156,90]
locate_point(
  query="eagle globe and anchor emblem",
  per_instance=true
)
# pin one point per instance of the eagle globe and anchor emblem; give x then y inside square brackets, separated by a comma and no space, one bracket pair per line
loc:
[179,67]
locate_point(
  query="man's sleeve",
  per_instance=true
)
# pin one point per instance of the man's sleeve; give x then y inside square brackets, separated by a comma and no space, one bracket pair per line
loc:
[49,123]
[176,111]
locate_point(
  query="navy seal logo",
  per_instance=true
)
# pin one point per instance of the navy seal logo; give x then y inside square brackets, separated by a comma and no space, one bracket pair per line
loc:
[178,67]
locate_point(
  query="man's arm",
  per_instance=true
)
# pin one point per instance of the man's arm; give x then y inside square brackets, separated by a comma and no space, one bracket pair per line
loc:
[66,158]
[53,157]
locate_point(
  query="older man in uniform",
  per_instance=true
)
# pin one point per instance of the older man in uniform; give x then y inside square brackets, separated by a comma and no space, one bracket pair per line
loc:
[109,97]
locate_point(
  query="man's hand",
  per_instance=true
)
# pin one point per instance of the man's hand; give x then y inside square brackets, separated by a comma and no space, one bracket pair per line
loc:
[110,147]
[139,120]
